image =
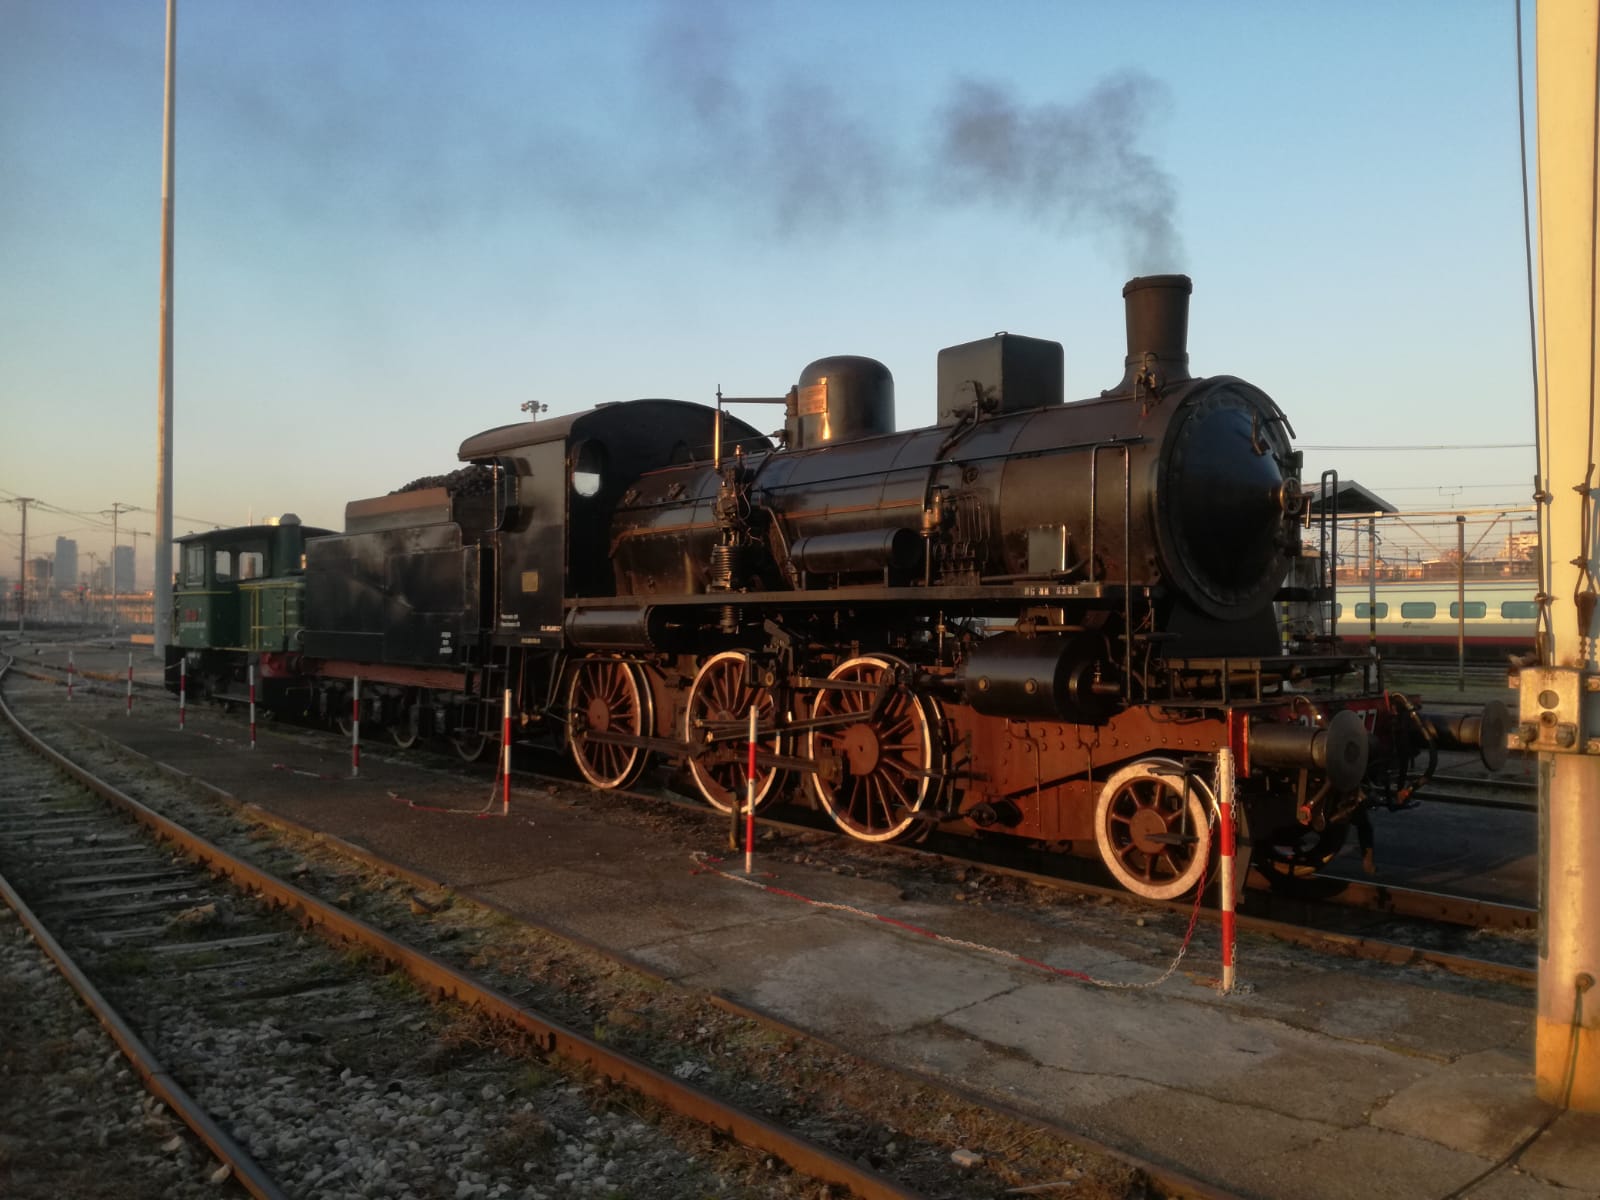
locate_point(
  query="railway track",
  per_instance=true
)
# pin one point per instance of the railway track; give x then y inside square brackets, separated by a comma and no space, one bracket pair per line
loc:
[1341,916]
[166,891]
[1515,795]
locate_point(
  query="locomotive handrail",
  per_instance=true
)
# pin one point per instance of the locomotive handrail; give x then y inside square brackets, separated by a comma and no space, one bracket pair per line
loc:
[1126,446]
[1328,543]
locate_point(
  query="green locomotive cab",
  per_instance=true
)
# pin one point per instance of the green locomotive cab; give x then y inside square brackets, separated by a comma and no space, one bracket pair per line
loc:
[237,596]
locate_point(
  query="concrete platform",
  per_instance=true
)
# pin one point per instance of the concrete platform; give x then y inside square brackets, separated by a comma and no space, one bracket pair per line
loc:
[1326,1079]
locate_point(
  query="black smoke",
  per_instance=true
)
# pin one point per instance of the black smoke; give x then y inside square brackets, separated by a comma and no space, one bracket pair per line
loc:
[809,152]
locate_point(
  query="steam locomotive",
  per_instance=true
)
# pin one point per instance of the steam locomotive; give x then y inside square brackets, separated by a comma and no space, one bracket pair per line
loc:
[1031,618]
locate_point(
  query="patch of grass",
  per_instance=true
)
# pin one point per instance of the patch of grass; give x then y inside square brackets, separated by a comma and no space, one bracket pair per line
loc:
[126,963]
[521,1136]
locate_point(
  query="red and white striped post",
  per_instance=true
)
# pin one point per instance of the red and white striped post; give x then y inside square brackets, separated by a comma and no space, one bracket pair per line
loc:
[71,671]
[505,758]
[355,729]
[750,797]
[1225,803]
[130,683]
[183,690]
[252,706]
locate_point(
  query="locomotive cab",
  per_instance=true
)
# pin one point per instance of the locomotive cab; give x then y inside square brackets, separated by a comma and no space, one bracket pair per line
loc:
[237,591]
[559,482]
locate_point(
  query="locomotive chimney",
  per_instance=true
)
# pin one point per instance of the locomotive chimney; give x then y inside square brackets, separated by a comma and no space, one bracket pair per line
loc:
[1157,312]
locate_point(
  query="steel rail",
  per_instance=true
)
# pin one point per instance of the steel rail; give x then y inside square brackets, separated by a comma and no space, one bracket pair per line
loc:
[803,1155]
[157,1080]
[1177,1184]
[1463,800]
[1412,902]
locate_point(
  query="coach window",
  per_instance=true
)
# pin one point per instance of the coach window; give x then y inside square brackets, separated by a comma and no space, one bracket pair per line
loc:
[222,566]
[1476,610]
[1519,610]
[1367,612]
[194,566]
[1418,610]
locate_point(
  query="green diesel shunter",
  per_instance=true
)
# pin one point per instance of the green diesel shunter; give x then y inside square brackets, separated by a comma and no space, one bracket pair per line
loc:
[237,602]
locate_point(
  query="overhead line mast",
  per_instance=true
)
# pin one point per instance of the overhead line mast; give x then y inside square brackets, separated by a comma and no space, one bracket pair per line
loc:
[1560,698]
[163,547]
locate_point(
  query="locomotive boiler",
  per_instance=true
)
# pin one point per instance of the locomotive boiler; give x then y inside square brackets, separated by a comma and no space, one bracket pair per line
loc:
[1030,618]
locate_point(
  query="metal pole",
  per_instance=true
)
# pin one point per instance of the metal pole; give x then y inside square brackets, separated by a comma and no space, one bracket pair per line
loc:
[355,729]
[1372,590]
[750,794]
[1461,603]
[22,565]
[183,690]
[116,511]
[252,670]
[71,673]
[163,547]
[505,756]
[130,683]
[1225,801]
[1560,713]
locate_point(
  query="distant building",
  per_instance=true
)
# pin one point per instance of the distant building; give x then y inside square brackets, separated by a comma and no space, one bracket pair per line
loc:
[66,569]
[122,568]
[36,579]
[1522,545]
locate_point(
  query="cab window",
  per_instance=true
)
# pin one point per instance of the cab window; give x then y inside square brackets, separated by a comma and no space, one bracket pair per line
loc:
[194,566]
[222,566]
[251,564]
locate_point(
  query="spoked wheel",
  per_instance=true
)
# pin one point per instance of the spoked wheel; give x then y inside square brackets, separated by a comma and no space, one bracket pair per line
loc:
[607,696]
[885,758]
[1299,852]
[720,701]
[1153,828]
[470,744]
[404,731]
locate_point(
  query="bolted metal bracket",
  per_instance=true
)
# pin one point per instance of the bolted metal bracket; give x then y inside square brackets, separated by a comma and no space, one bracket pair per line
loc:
[1551,717]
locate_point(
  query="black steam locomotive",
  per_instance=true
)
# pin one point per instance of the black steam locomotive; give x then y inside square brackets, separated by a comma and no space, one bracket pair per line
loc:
[1032,618]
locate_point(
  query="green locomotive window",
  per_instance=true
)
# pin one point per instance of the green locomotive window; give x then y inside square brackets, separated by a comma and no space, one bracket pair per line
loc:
[222,566]
[1367,612]
[1476,610]
[251,564]
[1519,610]
[194,566]
[1418,610]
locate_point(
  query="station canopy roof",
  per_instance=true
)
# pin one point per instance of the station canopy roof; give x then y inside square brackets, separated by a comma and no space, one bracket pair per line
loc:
[1351,497]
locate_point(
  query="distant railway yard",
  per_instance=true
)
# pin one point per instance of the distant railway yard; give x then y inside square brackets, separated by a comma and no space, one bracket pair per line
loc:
[629,1014]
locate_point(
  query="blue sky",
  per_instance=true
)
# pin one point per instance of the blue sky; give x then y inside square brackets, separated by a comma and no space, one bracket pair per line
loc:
[398,221]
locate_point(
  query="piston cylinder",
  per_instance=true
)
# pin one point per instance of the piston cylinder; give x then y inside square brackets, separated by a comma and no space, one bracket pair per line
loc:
[1340,748]
[613,629]
[1036,679]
